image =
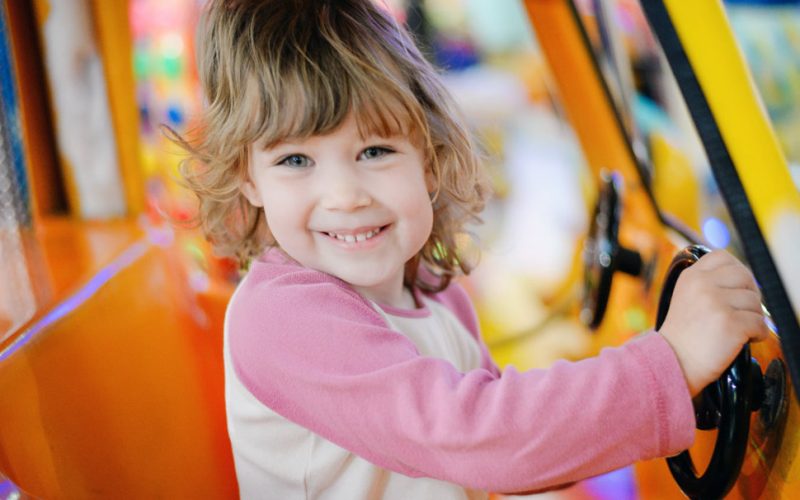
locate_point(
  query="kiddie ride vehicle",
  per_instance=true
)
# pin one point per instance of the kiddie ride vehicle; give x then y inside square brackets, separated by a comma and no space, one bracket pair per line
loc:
[97,350]
[643,184]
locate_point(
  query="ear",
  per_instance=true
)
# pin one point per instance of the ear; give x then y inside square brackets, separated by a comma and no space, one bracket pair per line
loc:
[431,183]
[251,192]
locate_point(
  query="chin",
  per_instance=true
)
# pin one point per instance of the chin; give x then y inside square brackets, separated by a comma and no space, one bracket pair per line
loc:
[365,279]
[362,281]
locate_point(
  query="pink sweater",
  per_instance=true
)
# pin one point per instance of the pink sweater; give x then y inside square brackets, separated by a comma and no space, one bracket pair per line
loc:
[314,351]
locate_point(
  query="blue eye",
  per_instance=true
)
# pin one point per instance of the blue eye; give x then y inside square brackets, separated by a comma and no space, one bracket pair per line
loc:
[375,152]
[295,161]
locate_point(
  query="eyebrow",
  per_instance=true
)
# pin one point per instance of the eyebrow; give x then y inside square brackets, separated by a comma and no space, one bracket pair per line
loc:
[297,141]
[276,143]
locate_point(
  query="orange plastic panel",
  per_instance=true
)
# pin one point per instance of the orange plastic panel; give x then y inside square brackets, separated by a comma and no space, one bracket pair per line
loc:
[117,391]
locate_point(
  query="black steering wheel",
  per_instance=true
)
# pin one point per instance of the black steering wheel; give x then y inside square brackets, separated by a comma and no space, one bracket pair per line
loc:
[725,405]
[603,254]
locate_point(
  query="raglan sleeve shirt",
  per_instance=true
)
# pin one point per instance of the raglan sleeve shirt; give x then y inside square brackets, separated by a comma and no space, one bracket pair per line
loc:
[314,351]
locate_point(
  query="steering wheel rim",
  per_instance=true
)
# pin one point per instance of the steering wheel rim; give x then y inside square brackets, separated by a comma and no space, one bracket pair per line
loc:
[734,387]
[603,255]
[599,251]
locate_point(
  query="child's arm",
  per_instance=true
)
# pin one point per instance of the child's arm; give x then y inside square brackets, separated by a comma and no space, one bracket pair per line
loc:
[716,308]
[316,353]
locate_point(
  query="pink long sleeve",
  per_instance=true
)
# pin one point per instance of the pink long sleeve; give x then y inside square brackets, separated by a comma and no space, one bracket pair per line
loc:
[314,351]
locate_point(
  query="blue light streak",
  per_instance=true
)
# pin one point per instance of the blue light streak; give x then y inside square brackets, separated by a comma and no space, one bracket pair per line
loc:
[716,233]
[130,255]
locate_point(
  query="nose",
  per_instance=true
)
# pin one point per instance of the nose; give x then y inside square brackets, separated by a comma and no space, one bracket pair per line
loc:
[343,189]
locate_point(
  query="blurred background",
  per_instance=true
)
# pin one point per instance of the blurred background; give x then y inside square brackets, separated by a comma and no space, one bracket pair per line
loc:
[86,173]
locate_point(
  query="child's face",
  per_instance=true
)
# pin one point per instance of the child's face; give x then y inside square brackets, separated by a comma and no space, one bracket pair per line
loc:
[355,208]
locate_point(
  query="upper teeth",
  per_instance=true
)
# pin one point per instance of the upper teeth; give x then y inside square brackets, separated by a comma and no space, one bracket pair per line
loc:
[352,238]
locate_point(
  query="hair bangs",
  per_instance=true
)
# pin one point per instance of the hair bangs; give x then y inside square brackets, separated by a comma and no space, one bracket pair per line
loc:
[384,113]
[301,100]
[290,110]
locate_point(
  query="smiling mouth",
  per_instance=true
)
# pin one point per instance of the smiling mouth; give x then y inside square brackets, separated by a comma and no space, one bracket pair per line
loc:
[357,237]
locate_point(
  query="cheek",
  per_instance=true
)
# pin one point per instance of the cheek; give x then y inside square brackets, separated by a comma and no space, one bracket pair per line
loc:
[426,215]
[420,213]
[284,216]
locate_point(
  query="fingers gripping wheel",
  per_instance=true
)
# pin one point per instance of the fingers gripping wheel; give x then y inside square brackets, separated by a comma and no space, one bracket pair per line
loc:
[725,405]
[603,255]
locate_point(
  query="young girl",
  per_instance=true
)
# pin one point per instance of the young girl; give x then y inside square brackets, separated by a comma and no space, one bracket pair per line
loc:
[332,161]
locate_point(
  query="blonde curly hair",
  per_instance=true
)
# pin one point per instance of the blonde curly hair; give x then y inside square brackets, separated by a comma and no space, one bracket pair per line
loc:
[273,69]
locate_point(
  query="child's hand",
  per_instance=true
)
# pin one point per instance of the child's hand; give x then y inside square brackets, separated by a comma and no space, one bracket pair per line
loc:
[715,310]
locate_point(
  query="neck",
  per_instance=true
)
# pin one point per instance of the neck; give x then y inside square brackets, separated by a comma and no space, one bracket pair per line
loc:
[401,297]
